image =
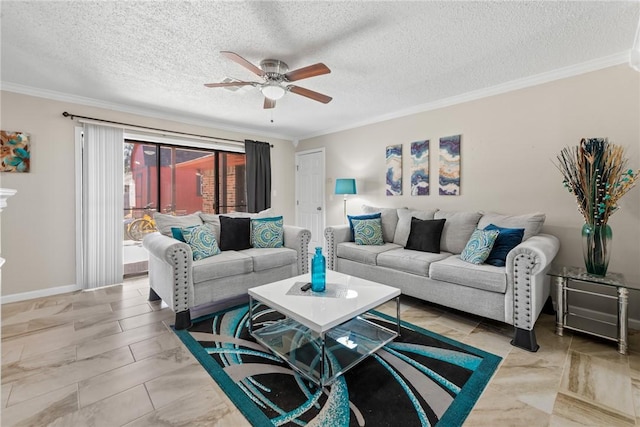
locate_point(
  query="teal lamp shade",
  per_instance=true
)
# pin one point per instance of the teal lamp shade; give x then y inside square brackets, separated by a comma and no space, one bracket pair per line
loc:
[345,186]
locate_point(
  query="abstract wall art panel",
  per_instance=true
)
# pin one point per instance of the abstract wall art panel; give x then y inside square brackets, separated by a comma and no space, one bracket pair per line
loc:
[420,168]
[394,170]
[449,182]
[14,152]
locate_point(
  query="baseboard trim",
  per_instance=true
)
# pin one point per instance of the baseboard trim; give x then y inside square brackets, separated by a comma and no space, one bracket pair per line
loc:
[600,315]
[23,296]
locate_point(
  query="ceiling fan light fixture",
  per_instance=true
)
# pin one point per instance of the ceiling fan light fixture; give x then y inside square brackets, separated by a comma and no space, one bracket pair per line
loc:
[273,91]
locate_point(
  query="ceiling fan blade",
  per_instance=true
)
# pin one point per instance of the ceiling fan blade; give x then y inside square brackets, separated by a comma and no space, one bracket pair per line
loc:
[269,103]
[306,72]
[240,60]
[226,84]
[310,94]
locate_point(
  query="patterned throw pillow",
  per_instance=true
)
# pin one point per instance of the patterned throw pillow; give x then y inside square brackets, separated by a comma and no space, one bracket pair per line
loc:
[479,246]
[267,232]
[367,231]
[202,241]
[354,217]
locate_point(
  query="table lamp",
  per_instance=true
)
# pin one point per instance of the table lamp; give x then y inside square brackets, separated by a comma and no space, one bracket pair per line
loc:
[345,186]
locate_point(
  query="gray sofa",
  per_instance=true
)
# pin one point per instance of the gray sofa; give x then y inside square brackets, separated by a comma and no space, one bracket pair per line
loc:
[183,283]
[514,294]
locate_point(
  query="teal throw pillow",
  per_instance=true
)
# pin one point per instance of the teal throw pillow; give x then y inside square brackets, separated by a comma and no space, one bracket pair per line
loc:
[367,231]
[202,241]
[479,246]
[267,232]
[176,232]
[508,239]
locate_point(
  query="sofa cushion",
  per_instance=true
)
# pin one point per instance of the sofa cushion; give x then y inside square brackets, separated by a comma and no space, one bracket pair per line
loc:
[235,233]
[213,221]
[266,258]
[508,239]
[479,246]
[483,276]
[425,235]
[164,222]
[227,263]
[367,231]
[267,232]
[389,217]
[410,261]
[403,229]
[361,253]
[532,223]
[457,230]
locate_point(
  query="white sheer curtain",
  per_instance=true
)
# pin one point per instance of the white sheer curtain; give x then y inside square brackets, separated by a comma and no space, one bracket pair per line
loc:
[102,206]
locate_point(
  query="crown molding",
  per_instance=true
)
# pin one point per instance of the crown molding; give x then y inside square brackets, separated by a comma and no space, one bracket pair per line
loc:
[538,79]
[90,102]
[561,73]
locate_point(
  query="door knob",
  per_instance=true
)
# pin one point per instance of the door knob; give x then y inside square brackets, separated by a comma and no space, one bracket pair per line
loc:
[319,208]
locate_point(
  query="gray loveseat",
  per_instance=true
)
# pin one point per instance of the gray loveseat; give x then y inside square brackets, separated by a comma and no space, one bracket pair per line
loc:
[183,283]
[514,294]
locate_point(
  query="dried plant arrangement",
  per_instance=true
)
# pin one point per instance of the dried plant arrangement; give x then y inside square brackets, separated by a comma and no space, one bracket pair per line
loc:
[596,173]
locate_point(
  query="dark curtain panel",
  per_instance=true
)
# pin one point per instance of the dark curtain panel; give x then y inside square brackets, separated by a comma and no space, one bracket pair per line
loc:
[258,175]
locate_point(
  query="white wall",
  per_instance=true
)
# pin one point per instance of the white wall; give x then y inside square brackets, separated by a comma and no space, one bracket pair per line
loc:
[509,144]
[38,231]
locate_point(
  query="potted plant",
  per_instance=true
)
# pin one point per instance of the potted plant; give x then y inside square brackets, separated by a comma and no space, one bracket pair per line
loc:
[596,172]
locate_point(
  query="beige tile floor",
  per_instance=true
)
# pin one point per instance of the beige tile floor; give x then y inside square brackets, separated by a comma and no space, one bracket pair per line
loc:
[107,358]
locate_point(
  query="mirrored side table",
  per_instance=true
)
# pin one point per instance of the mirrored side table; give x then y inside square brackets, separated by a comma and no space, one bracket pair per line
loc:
[562,279]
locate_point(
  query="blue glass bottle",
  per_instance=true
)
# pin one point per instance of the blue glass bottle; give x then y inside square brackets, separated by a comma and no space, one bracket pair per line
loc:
[318,271]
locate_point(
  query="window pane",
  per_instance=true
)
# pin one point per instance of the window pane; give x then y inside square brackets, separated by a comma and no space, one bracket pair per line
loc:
[231,183]
[186,180]
[141,187]
[140,192]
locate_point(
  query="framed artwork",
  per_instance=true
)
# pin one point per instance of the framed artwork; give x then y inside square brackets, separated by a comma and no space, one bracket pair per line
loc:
[449,180]
[394,170]
[14,152]
[420,168]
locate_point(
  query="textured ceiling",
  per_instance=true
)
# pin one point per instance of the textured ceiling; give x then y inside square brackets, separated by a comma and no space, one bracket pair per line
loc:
[385,57]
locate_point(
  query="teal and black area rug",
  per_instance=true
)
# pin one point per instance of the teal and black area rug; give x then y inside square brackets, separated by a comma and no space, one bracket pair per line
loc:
[419,379]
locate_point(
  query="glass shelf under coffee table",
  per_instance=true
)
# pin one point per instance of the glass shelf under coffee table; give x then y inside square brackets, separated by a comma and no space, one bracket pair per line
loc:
[323,335]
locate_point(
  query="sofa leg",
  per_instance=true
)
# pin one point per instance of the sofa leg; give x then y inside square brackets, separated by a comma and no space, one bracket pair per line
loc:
[525,340]
[183,319]
[548,306]
[152,295]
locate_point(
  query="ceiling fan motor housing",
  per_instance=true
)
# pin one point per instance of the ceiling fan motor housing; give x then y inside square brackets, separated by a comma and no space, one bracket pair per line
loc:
[274,69]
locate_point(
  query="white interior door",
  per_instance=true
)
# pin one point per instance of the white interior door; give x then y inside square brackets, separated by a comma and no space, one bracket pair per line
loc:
[310,194]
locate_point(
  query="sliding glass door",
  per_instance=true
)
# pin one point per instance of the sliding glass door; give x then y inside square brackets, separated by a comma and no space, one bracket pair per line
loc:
[178,181]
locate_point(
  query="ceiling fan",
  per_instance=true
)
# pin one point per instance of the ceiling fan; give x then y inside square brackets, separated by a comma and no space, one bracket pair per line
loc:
[276,75]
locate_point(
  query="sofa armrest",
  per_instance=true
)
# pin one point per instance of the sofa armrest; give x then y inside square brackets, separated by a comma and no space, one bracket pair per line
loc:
[170,270]
[298,238]
[527,266]
[334,235]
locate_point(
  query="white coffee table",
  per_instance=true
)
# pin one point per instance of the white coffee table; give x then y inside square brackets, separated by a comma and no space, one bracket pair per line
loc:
[323,334]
